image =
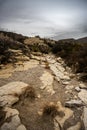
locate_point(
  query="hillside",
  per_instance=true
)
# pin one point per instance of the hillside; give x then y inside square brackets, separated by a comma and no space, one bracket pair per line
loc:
[42,83]
[74,50]
[82,40]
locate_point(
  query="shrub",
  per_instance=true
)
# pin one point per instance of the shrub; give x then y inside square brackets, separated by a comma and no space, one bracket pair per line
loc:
[74,54]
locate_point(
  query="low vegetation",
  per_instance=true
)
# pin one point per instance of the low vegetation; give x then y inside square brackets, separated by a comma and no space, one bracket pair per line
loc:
[50,110]
[74,52]
[7,45]
[30,93]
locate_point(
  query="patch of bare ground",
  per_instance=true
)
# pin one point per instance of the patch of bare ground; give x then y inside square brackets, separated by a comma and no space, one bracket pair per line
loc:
[33,101]
[31,109]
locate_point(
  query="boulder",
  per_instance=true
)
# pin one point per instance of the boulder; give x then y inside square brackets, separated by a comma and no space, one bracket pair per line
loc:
[9,93]
[15,122]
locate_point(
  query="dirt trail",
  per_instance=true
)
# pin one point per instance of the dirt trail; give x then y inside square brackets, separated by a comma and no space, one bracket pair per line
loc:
[52,82]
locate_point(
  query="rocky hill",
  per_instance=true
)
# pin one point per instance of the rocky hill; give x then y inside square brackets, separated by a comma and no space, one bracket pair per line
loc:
[74,52]
[40,85]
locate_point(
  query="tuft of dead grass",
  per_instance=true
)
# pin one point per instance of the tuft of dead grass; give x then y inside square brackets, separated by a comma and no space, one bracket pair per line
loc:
[30,93]
[50,110]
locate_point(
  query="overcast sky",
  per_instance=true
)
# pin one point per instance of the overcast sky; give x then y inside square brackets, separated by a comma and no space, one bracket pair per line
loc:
[47,18]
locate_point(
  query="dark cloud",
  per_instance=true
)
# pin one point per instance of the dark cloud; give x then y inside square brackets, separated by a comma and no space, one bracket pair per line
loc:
[45,17]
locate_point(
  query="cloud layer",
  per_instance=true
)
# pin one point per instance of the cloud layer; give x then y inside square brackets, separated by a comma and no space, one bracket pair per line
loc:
[48,18]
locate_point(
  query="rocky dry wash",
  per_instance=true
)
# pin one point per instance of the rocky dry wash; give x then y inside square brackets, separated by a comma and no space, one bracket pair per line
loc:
[43,80]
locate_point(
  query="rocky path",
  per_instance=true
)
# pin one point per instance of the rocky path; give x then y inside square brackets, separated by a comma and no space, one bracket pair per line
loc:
[27,87]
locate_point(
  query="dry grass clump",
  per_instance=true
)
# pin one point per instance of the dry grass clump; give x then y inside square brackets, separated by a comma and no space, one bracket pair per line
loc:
[50,110]
[30,93]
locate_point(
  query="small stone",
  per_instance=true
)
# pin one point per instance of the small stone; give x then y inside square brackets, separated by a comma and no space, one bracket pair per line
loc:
[83,86]
[66,73]
[66,77]
[68,87]
[10,112]
[73,103]
[51,61]
[38,96]
[77,89]
[52,92]
[66,92]
[59,59]
[42,87]
[21,127]
[57,78]
[75,97]
[40,113]
[72,75]
[65,82]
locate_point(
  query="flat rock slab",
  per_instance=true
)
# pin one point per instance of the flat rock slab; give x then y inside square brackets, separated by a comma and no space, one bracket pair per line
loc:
[59,73]
[69,87]
[83,96]
[73,103]
[83,86]
[9,93]
[47,80]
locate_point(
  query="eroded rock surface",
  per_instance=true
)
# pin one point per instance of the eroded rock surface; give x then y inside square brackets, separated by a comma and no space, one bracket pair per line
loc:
[47,80]
[55,78]
[9,93]
[83,96]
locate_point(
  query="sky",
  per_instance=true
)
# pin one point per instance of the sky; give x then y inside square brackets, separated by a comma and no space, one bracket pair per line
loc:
[55,19]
